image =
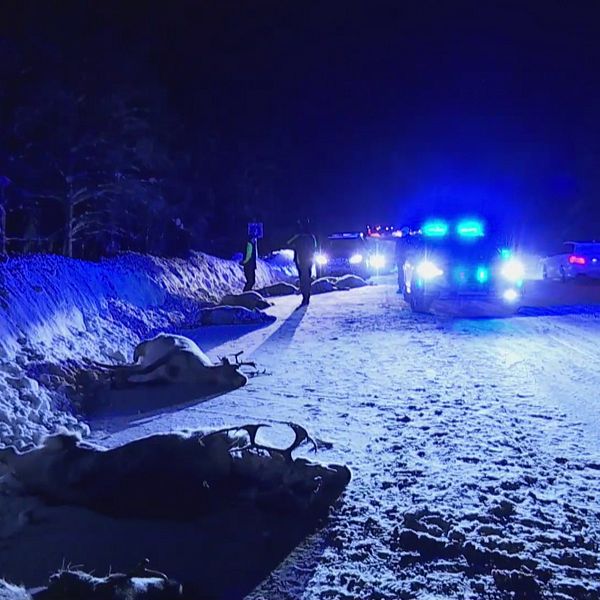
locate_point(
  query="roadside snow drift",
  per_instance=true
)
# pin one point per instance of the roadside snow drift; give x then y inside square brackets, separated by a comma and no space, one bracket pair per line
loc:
[56,311]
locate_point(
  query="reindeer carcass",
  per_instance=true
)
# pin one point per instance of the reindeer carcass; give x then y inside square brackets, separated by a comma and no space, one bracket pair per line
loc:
[170,358]
[139,584]
[177,475]
[250,300]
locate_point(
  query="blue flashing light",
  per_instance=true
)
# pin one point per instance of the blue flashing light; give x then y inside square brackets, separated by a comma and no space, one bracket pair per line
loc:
[470,228]
[435,228]
[482,274]
[505,253]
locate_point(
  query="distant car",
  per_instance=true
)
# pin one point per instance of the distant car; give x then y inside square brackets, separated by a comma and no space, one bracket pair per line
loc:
[574,259]
[349,253]
[460,261]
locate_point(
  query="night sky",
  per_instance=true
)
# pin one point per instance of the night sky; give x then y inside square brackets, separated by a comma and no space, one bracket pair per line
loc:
[377,111]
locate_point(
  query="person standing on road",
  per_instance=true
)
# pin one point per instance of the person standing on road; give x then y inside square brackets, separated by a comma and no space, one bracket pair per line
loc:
[249,264]
[304,244]
[401,255]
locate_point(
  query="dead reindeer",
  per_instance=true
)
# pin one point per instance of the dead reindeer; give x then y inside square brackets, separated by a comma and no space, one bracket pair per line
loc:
[285,483]
[170,358]
[250,300]
[178,475]
[139,584]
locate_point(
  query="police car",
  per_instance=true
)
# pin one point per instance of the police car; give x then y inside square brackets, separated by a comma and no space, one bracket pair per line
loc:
[459,261]
[350,252]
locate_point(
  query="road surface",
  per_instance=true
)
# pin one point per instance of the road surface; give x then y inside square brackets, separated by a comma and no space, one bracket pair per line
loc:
[474,445]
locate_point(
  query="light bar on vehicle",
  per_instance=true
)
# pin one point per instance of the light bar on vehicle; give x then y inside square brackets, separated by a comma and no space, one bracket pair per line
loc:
[346,235]
[470,228]
[436,228]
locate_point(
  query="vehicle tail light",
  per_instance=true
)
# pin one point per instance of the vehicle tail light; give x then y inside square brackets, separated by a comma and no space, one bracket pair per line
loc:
[577,260]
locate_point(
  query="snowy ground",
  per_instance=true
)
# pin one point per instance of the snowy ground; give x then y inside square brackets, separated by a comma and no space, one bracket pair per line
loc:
[474,445]
[57,312]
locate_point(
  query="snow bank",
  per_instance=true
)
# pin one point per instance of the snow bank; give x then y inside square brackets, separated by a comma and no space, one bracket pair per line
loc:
[55,310]
[12,592]
[283,260]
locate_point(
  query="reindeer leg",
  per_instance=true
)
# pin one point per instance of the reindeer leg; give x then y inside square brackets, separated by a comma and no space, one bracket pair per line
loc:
[121,375]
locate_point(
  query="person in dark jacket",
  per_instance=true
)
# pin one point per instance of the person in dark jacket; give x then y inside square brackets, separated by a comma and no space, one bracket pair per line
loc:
[304,244]
[249,263]
[402,247]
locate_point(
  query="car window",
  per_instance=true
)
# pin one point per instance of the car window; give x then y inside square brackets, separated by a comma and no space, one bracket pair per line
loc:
[338,248]
[559,248]
[586,249]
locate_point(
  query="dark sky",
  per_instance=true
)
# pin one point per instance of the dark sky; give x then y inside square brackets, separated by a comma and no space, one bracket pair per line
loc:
[385,110]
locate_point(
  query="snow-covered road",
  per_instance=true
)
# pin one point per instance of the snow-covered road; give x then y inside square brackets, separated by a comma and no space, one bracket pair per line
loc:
[474,445]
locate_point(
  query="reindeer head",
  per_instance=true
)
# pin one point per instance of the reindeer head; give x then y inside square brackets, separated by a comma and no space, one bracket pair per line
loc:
[30,463]
[230,372]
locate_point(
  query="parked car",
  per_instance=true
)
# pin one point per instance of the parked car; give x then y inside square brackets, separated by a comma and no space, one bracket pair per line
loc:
[574,259]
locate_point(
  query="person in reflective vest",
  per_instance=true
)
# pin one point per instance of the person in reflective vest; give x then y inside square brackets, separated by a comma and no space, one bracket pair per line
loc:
[304,244]
[249,264]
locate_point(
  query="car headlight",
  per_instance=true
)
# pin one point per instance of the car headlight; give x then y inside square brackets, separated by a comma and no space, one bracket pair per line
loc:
[377,261]
[513,270]
[356,259]
[321,259]
[428,270]
[510,295]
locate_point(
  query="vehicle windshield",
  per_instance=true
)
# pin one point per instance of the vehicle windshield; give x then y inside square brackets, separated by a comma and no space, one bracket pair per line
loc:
[484,249]
[344,247]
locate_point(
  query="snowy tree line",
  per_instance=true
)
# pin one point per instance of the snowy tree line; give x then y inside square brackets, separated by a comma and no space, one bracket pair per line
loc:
[96,159]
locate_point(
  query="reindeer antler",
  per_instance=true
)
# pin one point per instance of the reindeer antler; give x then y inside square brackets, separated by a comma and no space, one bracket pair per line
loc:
[238,363]
[253,430]
[244,363]
[142,569]
[301,436]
